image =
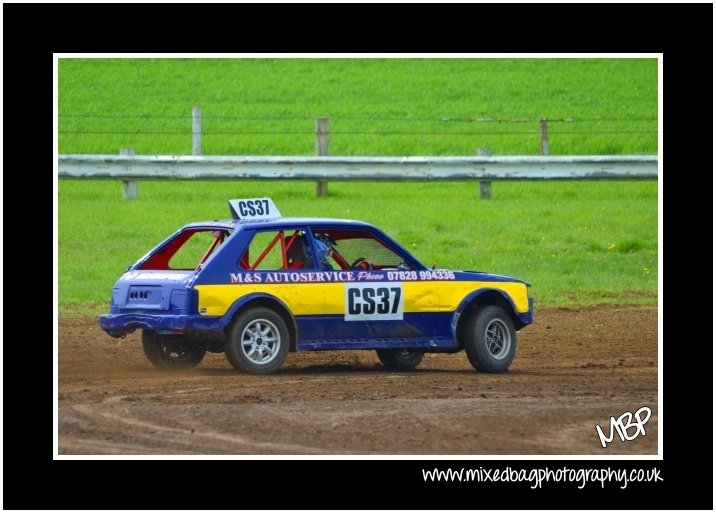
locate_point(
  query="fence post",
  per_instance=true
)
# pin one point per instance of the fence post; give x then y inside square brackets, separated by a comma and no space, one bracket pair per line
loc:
[485,191]
[543,138]
[129,187]
[322,128]
[196,130]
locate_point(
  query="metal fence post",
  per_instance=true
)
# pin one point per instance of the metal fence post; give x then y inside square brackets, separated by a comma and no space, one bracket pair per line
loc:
[196,130]
[129,187]
[322,128]
[543,138]
[485,191]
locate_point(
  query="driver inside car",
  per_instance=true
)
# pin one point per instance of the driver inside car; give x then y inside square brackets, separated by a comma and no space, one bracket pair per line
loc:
[324,251]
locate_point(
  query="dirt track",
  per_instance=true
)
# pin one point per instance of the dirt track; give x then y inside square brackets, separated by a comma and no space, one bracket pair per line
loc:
[573,370]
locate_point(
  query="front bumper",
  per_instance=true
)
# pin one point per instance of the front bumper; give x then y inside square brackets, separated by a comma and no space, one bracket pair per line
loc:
[528,317]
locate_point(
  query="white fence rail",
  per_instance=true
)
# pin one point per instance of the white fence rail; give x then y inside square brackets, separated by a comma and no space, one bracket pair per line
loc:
[124,167]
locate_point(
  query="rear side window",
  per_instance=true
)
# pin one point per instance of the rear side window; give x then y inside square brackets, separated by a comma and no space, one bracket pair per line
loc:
[187,250]
[277,250]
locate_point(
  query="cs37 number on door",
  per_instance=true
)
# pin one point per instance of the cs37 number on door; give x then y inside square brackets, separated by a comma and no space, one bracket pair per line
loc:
[374,301]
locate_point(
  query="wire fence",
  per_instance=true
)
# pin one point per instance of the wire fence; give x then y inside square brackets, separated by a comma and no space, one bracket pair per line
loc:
[73,127]
[358,132]
[349,135]
[443,119]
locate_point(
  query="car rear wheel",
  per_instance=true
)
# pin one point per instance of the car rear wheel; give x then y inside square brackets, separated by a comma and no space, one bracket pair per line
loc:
[171,352]
[400,359]
[258,341]
[490,340]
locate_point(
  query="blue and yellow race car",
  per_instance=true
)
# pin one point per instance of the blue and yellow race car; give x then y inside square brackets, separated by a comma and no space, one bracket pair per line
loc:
[259,286]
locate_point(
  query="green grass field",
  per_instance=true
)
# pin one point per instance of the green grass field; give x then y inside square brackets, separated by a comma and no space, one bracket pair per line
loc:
[420,103]
[578,243]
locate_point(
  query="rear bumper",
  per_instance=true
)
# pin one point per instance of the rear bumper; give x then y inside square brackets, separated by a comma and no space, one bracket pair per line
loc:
[118,325]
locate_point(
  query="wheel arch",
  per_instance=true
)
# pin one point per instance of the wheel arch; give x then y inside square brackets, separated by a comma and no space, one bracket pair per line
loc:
[478,300]
[265,301]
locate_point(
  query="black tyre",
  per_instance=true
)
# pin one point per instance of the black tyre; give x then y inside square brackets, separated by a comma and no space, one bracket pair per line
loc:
[258,341]
[171,352]
[400,359]
[490,340]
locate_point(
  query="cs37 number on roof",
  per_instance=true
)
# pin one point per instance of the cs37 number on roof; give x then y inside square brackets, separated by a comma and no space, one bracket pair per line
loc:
[253,208]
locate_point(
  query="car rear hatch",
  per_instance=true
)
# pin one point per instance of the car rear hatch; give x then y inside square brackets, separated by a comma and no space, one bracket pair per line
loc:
[150,291]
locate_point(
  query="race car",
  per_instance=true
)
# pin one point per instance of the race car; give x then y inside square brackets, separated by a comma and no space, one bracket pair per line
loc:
[260,285]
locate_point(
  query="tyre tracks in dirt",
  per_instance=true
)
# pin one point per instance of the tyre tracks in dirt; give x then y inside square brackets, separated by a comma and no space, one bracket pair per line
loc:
[573,370]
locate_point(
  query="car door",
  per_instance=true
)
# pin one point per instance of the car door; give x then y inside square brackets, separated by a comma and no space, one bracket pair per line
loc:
[373,298]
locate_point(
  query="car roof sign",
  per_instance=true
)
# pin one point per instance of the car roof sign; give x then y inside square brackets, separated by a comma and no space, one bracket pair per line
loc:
[253,208]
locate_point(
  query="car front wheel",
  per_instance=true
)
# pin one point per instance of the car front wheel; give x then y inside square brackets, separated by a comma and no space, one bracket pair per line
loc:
[490,340]
[400,359]
[257,341]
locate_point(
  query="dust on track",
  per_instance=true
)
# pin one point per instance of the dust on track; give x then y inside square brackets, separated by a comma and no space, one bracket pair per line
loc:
[572,371]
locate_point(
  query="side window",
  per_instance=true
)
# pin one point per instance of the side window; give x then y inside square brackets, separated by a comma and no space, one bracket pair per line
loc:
[277,250]
[187,250]
[190,254]
[265,252]
[358,249]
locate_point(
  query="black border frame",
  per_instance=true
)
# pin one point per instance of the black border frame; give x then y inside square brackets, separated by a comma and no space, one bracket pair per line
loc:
[32,480]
